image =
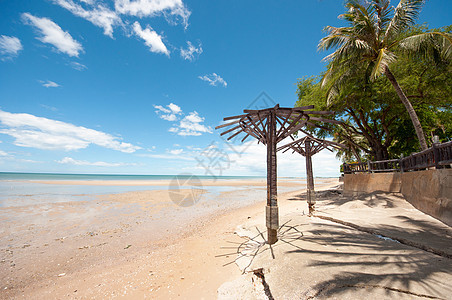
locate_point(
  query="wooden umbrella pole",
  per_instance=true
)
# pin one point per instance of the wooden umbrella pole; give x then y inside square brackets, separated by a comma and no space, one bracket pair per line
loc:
[261,125]
[272,194]
[310,177]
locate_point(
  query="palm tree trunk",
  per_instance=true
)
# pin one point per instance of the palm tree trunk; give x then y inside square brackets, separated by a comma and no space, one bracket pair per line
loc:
[409,108]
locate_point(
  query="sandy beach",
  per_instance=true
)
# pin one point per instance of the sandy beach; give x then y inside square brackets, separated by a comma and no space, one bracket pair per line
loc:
[141,245]
[62,248]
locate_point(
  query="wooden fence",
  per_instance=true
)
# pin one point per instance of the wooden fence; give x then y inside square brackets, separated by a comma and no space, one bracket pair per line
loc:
[438,156]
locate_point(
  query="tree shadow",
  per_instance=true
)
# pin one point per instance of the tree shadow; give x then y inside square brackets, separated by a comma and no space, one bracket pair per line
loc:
[408,256]
[356,259]
[372,263]
[335,196]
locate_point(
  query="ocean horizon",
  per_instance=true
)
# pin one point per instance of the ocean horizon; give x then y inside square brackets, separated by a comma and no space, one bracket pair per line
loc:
[71,176]
[75,176]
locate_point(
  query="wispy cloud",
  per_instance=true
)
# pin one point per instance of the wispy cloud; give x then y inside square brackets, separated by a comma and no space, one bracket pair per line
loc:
[9,46]
[191,125]
[174,10]
[49,107]
[48,83]
[214,79]
[151,38]
[176,151]
[169,113]
[52,34]
[71,161]
[250,158]
[168,156]
[191,52]
[78,66]
[101,16]
[42,133]
[5,156]
[108,18]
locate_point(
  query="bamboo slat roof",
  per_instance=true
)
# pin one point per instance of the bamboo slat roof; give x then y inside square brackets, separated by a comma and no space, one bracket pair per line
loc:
[289,121]
[316,145]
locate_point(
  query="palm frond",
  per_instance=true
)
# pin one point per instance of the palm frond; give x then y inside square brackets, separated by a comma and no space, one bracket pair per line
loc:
[335,78]
[405,15]
[364,20]
[384,58]
[429,44]
[382,15]
[335,39]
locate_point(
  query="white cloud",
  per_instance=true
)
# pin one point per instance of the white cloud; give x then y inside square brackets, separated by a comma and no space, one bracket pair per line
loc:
[100,16]
[29,161]
[54,35]
[176,151]
[49,83]
[169,112]
[174,108]
[71,161]
[9,46]
[214,79]
[3,153]
[191,125]
[250,158]
[169,156]
[78,66]
[42,133]
[173,10]
[191,52]
[151,38]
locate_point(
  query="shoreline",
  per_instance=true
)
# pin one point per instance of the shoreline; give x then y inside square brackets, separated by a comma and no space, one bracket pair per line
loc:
[166,182]
[91,249]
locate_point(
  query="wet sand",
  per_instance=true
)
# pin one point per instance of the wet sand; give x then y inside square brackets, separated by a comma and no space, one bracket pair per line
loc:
[127,244]
[205,182]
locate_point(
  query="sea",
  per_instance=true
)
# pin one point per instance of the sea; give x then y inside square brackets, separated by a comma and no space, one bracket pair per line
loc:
[59,176]
[22,189]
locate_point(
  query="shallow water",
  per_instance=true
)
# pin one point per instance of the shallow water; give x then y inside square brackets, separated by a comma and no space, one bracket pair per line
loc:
[22,193]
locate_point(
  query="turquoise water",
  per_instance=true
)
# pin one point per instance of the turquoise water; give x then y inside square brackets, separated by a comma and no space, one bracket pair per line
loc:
[20,189]
[57,176]
[21,193]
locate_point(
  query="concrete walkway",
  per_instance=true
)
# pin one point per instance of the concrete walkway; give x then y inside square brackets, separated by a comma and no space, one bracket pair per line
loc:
[406,255]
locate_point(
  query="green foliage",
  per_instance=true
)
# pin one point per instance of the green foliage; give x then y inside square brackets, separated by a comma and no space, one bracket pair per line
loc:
[374,38]
[378,125]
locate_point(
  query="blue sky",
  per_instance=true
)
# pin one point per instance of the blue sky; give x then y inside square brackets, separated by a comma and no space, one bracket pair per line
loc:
[137,87]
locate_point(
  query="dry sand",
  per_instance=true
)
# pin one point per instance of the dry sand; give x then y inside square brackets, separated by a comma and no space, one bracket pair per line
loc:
[139,245]
[135,243]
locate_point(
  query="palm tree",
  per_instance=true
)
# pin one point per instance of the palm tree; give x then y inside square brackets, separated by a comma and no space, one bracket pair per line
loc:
[375,32]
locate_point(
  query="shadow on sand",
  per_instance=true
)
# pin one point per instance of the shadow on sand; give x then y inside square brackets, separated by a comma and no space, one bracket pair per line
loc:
[371,261]
[377,255]
[380,263]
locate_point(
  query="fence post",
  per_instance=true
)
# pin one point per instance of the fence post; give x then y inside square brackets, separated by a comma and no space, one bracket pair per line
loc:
[436,156]
[369,169]
[401,163]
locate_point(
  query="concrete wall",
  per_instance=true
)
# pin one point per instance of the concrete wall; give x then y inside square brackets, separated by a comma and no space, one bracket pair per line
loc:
[355,184]
[429,191]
